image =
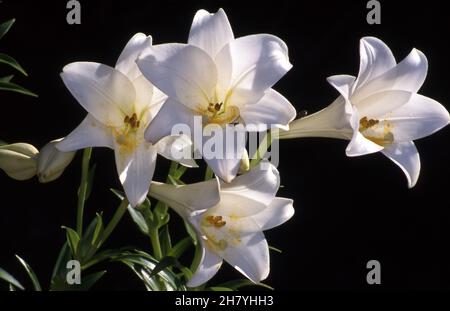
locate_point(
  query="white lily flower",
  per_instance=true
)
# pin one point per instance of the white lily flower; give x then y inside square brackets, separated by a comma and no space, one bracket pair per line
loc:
[379,110]
[230,220]
[221,79]
[120,103]
[52,162]
[19,161]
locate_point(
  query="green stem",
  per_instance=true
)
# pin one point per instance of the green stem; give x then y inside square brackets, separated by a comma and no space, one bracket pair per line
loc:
[262,149]
[114,221]
[83,188]
[172,170]
[154,237]
[209,173]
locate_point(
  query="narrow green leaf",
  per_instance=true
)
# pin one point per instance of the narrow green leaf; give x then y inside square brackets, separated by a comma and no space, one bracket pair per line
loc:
[180,247]
[5,27]
[166,241]
[118,193]
[73,240]
[11,288]
[12,87]
[219,289]
[88,281]
[90,180]
[31,274]
[138,219]
[277,250]
[164,263]
[10,61]
[63,257]
[180,172]
[97,231]
[10,279]
[6,79]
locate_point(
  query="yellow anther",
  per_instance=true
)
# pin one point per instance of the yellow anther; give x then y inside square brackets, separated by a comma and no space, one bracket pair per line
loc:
[216,221]
[366,123]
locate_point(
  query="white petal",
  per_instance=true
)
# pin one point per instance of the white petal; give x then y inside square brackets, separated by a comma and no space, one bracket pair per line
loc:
[359,146]
[273,109]
[210,32]
[136,171]
[250,256]
[342,83]
[144,94]
[420,117]
[224,161]
[210,263]
[177,148]
[375,59]
[333,121]
[184,72]
[251,192]
[379,104]
[127,59]
[406,156]
[278,212]
[170,114]
[90,133]
[104,92]
[187,199]
[408,75]
[250,65]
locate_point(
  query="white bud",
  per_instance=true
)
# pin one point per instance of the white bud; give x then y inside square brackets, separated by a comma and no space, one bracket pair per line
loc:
[52,162]
[19,160]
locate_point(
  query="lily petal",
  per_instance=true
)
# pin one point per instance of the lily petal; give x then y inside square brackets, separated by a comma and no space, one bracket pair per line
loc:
[210,263]
[375,59]
[103,91]
[260,185]
[187,200]
[170,114]
[184,72]
[136,171]
[171,147]
[408,75]
[257,63]
[210,32]
[360,145]
[127,59]
[90,133]
[342,83]
[249,255]
[278,212]
[420,117]
[380,104]
[273,109]
[144,94]
[406,156]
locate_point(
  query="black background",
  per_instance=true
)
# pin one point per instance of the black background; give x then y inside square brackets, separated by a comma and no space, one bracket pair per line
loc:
[348,210]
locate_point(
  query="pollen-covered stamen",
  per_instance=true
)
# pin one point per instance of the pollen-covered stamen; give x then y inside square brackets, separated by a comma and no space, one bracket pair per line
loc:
[132,121]
[366,123]
[215,221]
[376,131]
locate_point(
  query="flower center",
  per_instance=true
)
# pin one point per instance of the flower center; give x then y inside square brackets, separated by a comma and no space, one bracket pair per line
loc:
[220,113]
[378,132]
[126,135]
[209,225]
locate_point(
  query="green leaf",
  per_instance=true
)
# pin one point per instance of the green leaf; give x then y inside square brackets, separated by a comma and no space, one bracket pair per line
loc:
[86,249]
[31,274]
[73,240]
[10,279]
[118,194]
[138,219]
[97,231]
[219,289]
[60,265]
[164,263]
[90,180]
[180,247]
[237,284]
[86,282]
[192,233]
[142,264]
[166,242]
[10,61]
[277,250]
[4,27]
[12,87]
[7,78]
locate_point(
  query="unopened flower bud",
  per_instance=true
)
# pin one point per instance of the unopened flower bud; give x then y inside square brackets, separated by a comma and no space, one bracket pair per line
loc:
[52,162]
[19,160]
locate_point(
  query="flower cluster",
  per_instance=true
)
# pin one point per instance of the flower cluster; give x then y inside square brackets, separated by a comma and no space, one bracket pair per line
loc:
[226,83]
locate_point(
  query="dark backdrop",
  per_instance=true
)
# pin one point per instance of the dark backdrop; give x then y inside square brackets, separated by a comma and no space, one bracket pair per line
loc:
[348,210]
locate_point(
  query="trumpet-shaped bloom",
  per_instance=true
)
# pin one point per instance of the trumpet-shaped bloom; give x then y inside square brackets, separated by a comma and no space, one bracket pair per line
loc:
[221,79]
[379,110]
[230,220]
[120,103]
